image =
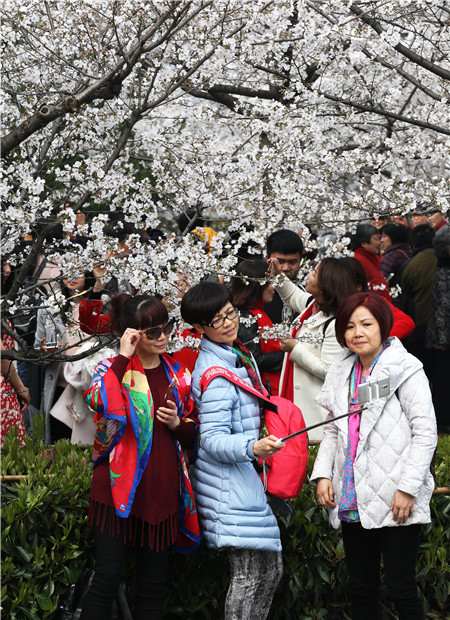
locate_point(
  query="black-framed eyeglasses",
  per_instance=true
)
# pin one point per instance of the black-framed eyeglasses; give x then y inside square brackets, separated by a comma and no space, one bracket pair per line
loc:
[230,315]
[153,333]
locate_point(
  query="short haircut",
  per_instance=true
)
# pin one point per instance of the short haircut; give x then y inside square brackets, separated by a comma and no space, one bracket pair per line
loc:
[378,306]
[203,301]
[335,282]
[422,235]
[247,293]
[363,234]
[284,241]
[397,233]
[138,312]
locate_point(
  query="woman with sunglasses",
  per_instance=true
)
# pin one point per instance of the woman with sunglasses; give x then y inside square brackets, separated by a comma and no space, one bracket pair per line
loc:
[232,505]
[141,493]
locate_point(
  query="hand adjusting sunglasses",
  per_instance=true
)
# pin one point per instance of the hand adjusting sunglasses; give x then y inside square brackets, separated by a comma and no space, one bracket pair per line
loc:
[153,333]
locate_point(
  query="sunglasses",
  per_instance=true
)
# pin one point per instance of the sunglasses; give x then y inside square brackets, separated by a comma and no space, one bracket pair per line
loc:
[153,333]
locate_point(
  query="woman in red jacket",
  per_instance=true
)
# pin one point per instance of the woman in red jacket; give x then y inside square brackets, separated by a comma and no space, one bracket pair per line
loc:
[366,244]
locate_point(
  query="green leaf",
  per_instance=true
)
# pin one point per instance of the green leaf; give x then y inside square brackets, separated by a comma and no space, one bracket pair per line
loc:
[45,603]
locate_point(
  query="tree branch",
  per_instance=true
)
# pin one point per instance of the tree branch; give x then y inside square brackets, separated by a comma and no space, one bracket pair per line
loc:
[107,87]
[391,115]
[402,49]
[406,76]
[29,354]
[274,94]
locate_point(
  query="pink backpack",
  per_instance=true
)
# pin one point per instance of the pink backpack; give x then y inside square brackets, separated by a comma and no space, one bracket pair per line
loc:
[284,473]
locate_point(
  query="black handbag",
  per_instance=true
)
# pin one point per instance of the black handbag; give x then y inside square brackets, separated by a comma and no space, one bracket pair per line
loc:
[72,602]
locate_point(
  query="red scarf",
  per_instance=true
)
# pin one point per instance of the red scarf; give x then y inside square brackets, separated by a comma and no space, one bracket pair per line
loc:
[287,389]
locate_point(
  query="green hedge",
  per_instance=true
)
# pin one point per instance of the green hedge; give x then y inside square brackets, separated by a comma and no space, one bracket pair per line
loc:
[46,544]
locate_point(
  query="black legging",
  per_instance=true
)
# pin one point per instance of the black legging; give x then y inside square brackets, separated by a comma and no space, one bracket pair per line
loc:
[363,550]
[151,577]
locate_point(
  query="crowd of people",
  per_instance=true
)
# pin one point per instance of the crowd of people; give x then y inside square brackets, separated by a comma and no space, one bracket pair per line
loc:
[174,463]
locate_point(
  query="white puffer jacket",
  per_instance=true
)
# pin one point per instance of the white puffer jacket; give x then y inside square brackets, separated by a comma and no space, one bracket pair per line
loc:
[396,443]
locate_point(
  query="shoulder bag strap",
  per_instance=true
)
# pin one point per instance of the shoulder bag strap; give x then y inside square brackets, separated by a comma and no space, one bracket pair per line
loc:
[218,371]
[327,322]
[40,270]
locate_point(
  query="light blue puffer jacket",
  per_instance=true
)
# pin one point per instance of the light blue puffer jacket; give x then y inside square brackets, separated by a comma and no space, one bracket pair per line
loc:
[230,497]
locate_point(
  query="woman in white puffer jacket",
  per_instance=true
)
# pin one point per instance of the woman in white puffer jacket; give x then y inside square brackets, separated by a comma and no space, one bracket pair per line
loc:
[373,468]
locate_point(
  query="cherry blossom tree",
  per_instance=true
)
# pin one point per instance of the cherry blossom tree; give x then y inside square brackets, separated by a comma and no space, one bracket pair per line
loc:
[256,115]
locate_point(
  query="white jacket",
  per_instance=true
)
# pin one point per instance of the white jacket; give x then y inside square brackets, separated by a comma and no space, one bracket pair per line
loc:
[315,352]
[396,443]
[70,408]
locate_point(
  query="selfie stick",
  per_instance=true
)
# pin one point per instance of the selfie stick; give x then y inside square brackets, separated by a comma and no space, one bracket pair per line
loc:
[309,428]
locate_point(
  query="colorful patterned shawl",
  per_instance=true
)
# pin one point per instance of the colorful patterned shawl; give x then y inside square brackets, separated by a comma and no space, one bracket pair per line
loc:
[125,415]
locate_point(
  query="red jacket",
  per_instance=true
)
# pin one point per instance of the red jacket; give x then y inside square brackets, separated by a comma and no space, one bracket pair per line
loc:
[370,262]
[403,324]
[92,321]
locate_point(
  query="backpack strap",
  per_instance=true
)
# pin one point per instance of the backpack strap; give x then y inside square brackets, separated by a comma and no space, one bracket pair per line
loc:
[218,371]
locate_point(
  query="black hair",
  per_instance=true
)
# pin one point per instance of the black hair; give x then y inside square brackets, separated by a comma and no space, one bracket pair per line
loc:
[203,301]
[138,312]
[335,282]
[155,234]
[9,281]
[284,241]
[89,282]
[363,234]
[357,273]
[242,249]
[397,233]
[247,294]
[119,230]
[422,235]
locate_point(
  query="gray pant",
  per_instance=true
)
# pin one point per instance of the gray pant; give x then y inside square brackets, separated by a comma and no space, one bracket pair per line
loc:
[255,575]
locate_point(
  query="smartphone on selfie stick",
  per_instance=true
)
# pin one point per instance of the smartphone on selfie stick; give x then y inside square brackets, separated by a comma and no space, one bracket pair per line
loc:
[367,393]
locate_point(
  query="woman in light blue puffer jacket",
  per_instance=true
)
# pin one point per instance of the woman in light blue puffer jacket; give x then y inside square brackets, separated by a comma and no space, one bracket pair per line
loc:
[231,501]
